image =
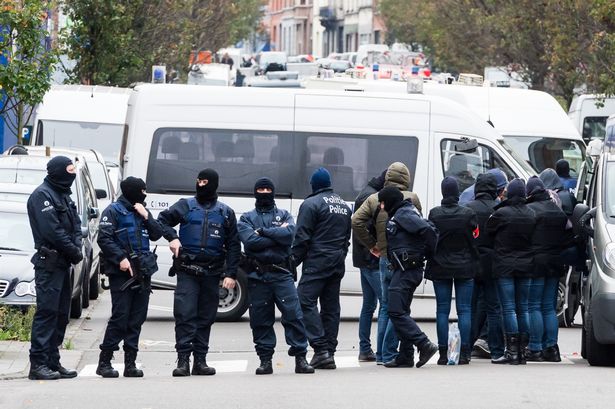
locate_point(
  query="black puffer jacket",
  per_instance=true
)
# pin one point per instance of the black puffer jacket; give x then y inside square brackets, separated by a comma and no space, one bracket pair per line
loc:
[456,255]
[547,243]
[511,227]
[483,205]
[361,257]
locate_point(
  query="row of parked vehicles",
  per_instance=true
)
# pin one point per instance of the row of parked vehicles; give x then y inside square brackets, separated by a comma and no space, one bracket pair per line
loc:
[167,133]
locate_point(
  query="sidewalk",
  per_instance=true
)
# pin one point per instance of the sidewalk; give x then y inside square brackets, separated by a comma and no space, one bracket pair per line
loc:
[14,355]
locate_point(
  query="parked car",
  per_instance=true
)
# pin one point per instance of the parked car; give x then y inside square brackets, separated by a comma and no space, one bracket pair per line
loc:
[31,170]
[598,302]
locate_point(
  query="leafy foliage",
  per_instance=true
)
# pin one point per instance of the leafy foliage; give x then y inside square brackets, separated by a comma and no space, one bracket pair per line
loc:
[15,324]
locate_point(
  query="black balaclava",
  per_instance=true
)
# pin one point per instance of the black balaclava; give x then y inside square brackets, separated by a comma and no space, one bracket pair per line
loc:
[450,189]
[132,189]
[207,193]
[392,197]
[378,181]
[57,176]
[264,200]
[534,185]
[562,167]
[516,189]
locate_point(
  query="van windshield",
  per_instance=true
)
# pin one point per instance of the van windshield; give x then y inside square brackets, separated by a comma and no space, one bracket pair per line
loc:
[610,191]
[544,152]
[105,138]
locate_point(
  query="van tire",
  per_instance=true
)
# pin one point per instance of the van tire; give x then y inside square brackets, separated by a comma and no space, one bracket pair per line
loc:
[597,354]
[233,303]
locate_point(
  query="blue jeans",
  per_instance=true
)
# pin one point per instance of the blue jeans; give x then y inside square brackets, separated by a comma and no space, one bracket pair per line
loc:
[487,308]
[514,293]
[542,302]
[372,294]
[386,332]
[463,302]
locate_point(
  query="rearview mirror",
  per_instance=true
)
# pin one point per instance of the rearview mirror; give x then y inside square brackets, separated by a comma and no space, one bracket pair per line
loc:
[466,145]
[93,213]
[101,194]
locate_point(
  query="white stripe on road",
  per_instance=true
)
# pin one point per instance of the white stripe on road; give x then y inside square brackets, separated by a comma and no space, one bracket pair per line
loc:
[160,308]
[347,362]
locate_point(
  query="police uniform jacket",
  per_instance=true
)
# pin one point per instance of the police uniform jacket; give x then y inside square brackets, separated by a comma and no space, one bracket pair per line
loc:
[511,227]
[323,234]
[456,255]
[121,231]
[547,243]
[207,231]
[271,245]
[55,225]
[409,236]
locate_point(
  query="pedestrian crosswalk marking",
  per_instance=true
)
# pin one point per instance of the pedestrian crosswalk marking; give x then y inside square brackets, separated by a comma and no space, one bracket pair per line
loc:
[346,362]
[90,370]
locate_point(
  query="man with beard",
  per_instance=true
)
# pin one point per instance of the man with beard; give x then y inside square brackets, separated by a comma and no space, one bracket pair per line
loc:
[125,231]
[267,234]
[206,249]
[56,229]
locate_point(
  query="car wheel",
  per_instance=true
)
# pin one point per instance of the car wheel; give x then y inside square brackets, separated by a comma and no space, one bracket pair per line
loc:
[561,311]
[597,354]
[233,303]
[76,307]
[95,284]
[85,292]
[583,335]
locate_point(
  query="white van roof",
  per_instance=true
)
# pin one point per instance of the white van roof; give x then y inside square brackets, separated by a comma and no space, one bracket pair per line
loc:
[84,103]
[457,119]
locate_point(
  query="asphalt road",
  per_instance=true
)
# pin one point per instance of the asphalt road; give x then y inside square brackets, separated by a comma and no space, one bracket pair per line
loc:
[569,384]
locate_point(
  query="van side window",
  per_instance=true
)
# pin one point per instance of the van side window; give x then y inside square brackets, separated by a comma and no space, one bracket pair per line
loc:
[240,157]
[352,160]
[466,166]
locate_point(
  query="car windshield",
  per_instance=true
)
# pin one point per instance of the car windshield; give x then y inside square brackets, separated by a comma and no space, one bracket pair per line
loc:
[15,233]
[594,127]
[610,191]
[544,152]
[105,138]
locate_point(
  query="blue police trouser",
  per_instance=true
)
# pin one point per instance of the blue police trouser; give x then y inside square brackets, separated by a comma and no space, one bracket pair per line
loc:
[128,313]
[194,308]
[401,291]
[53,296]
[322,327]
[264,297]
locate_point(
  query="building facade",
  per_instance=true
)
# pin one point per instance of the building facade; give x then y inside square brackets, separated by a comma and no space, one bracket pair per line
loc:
[289,23]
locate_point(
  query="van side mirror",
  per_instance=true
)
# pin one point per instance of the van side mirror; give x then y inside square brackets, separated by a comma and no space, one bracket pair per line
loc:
[93,213]
[101,194]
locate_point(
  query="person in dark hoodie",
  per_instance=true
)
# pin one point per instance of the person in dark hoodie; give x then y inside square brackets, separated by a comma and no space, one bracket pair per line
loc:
[485,288]
[371,288]
[56,230]
[562,167]
[321,245]
[206,250]
[511,227]
[453,264]
[410,240]
[548,268]
[553,182]
[126,227]
[267,234]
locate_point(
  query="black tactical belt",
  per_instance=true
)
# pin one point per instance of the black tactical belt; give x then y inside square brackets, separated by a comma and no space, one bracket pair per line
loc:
[263,268]
[197,271]
[404,261]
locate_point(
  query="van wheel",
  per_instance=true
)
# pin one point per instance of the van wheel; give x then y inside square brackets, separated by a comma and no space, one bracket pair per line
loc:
[562,317]
[95,284]
[233,303]
[76,307]
[597,354]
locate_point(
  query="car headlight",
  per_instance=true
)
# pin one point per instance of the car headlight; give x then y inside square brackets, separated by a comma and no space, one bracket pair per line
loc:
[25,288]
[609,256]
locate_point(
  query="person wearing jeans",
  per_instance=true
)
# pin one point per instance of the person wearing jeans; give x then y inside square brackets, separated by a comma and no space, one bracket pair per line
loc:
[511,227]
[548,241]
[386,331]
[453,264]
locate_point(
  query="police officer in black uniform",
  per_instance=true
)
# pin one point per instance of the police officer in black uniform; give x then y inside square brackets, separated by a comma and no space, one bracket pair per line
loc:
[321,244]
[206,249]
[125,231]
[56,228]
[411,239]
[267,234]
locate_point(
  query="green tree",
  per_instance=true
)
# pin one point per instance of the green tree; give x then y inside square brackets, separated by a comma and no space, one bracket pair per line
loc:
[25,77]
[600,66]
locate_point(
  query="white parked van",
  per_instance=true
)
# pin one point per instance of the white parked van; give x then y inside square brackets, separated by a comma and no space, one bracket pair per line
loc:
[174,131]
[589,119]
[81,116]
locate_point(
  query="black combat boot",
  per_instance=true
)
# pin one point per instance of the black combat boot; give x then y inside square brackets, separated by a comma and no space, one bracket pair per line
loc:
[104,365]
[301,365]
[443,360]
[465,355]
[64,373]
[42,372]
[551,354]
[130,367]
[266,367]
[183,364]
[426,351]
[322,360]
[524,340]
[511,354]
[200,366]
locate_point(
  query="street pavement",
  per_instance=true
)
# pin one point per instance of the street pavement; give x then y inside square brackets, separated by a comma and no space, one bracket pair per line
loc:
[569,384]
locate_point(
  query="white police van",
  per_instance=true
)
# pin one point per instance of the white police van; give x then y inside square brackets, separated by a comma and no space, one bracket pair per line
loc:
[174,131]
